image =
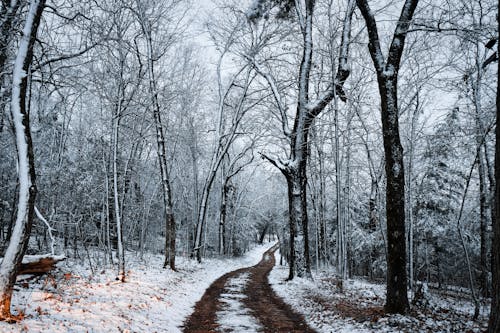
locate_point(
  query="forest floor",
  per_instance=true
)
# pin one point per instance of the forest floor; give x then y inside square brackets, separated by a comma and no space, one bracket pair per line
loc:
[359,306]
[79,298]
[237,297]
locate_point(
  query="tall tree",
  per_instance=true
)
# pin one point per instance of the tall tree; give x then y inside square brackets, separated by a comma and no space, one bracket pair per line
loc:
[148,30]
[494,322]
[387,68]
[308,108]
[229,119]
[25,160]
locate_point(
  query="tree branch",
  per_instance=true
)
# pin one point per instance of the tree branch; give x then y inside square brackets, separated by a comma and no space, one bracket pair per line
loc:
[337,87]
[64,57]
[276,162]
[397,44]
[374,42]
[274,88]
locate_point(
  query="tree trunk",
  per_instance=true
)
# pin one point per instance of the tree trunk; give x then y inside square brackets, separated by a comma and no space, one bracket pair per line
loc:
[397,299]
[483,220]
[223,217]
[338,200]
[116,200]
[296,177]
[387,76]
[26,166]
[170,225]
[409,192]
[494,321]
[7,21]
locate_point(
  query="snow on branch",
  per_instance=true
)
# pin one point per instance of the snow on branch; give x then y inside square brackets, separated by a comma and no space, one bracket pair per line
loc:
[276,162]
[396,48]
[49,229]
[336,88]
[274,88]
[374,43]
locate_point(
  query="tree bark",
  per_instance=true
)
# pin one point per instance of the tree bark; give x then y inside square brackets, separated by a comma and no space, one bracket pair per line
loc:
[170,225]
[116,200]
[483,220]
[223,216]
[26,166]
[397,299]
[494,320]
[300,261]
[387,76]
[7,18]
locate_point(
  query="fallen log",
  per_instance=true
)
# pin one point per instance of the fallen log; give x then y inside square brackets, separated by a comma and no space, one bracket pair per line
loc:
[39,264]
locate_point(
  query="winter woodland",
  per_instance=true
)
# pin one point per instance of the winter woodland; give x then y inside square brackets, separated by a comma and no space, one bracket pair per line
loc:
[147,148]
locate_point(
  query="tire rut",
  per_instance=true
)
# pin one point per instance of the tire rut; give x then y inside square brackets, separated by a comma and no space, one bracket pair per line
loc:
[269,310]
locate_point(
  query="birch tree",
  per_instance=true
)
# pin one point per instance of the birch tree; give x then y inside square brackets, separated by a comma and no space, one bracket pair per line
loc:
[25,160]
[387,68]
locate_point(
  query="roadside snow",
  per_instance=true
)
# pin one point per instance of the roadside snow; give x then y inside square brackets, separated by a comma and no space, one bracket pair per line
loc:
[359,308]
[152,300]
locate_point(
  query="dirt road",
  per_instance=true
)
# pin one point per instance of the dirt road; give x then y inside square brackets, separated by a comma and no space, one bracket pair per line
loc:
[243,301]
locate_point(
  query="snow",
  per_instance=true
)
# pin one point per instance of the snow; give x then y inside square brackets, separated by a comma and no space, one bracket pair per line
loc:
[152,299]
[359,308]
[235,317]
[159,300]
[255,10]
[29,259]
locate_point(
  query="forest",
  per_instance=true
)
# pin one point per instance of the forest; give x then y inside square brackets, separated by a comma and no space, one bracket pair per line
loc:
[171,142]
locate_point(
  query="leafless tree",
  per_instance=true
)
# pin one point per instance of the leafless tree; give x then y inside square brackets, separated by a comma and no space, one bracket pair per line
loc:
[25,160]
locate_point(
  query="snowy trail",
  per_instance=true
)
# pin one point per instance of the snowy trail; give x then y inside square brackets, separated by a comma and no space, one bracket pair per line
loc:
[243,301]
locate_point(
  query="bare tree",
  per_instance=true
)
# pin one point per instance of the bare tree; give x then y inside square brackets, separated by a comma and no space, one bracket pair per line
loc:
[238,84]
[294,167]
[8,14]
[25,160]
[494,321]
[147,29]
[387,74]
[231,166]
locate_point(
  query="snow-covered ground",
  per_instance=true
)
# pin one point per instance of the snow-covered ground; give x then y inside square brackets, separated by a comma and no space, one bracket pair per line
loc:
[359,309]
[152,300]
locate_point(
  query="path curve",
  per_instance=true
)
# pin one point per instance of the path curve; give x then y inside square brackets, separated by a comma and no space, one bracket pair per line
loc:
[257,300]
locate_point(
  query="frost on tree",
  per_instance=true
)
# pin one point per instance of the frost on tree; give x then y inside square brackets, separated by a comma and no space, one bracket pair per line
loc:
[25,161]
